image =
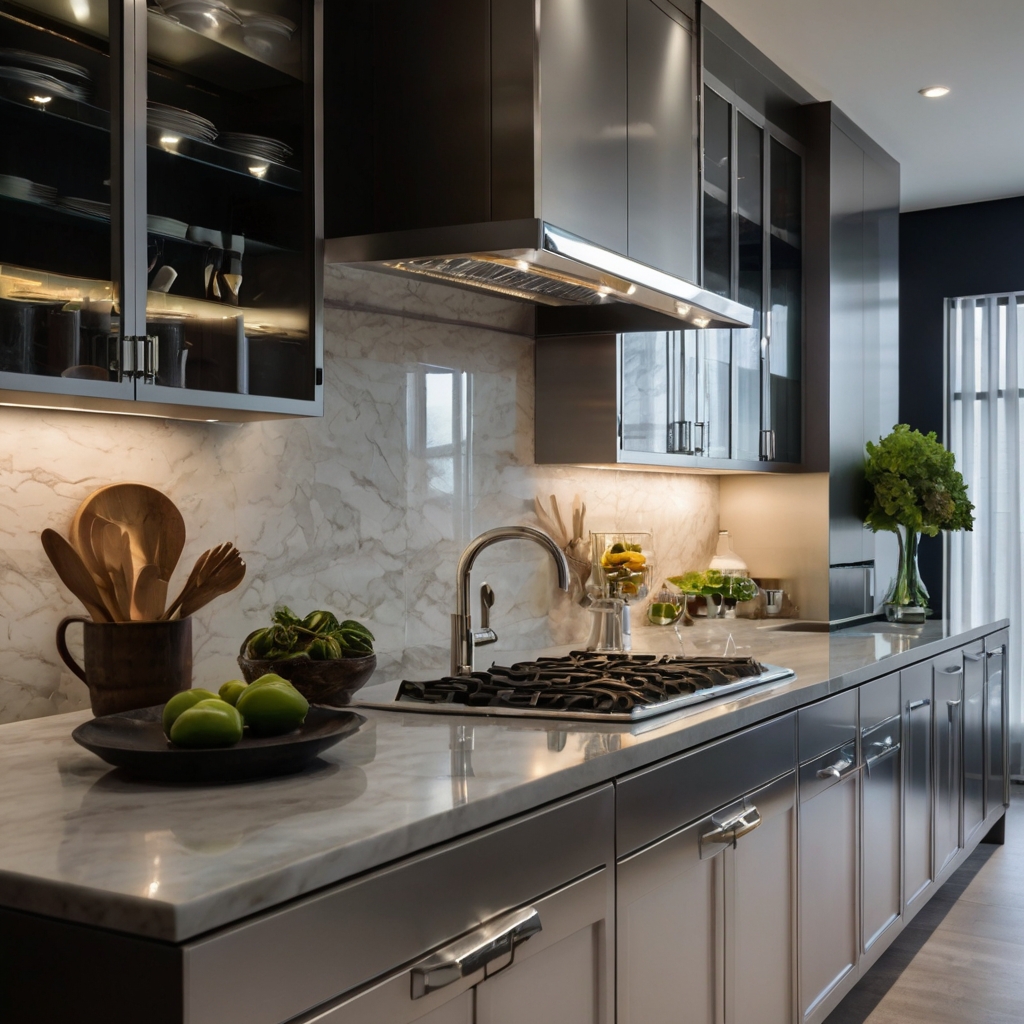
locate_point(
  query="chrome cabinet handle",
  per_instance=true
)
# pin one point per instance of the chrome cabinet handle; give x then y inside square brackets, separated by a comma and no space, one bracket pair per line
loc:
[733,828]
[468,954]
[951,706]
[998,651]
[881,755]
[835,771]
[958,671]
[973,657]
[915,704]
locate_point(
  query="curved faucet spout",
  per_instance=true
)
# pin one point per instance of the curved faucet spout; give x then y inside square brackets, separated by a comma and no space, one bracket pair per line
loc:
[462,632]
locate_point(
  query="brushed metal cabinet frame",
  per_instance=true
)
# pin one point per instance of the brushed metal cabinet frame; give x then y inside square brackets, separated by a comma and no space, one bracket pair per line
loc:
[286,962]
[563,913]
[645,870]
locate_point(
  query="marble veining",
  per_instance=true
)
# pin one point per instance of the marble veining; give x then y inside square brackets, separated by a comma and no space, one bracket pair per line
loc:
[426,440]
[82,842]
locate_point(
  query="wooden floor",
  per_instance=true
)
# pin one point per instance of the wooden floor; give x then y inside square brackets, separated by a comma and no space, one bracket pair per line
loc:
[961,960]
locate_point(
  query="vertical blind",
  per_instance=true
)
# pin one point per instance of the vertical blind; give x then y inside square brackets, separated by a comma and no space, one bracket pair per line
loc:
[985,386]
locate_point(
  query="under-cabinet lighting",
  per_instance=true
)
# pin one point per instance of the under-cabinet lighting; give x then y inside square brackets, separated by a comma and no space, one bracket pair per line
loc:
[80,9]
[258,170]
[41,100]
[170,143]
[933,92]
[522,265]
[682,309]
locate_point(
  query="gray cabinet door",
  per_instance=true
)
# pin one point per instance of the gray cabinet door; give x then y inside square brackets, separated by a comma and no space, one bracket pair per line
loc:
[974,738]
[948,724]
[705,927]
[916,694]
[829,938]
[997,769]
[881,807]
[662,143]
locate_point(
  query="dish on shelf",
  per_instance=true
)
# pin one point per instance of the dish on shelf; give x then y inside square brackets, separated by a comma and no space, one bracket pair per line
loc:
[258,146]
[264,33]
[44,87]
[90,207]
[29,191]
[174,120]
[200,14]
[166,226]
[63,69]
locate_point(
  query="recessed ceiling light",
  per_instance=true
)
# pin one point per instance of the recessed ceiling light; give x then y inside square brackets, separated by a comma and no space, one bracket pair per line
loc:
[933,92]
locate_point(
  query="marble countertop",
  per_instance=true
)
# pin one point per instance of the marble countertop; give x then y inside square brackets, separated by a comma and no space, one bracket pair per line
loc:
[83,842]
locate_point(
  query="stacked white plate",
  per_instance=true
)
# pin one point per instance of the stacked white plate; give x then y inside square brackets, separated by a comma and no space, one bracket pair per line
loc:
[166,226]
[90,207]
[46,76]
[202,15]
[265,33]
[29,191]
[257,146]
[176,121]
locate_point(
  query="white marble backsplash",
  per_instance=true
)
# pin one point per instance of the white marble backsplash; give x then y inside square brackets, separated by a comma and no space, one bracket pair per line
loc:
[426,441]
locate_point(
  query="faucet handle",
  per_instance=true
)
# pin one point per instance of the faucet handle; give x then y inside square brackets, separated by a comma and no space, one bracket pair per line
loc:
[485,635]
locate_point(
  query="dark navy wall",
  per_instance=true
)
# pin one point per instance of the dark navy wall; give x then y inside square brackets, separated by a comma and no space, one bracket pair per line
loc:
[956,250]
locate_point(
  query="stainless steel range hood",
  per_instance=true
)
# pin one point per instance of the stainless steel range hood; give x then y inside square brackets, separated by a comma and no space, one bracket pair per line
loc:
[539,149]
[537,262]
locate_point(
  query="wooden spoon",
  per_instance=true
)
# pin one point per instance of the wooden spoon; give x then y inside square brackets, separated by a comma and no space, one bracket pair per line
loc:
[74,574]
[111,557]
[223,579]
[150,594]
[203,572]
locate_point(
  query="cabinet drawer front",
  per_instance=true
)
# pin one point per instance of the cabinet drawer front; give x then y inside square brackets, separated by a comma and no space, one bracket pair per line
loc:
[656,801]
[283,963]
[827,724]
[879,701]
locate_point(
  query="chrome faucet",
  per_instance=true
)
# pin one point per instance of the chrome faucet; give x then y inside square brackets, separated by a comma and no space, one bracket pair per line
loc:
[464,639]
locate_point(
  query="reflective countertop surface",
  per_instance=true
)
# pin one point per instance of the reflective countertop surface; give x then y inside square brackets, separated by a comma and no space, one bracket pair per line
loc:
[84,842]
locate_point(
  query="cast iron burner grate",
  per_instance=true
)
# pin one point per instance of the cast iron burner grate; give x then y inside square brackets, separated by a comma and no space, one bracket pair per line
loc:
[614,684]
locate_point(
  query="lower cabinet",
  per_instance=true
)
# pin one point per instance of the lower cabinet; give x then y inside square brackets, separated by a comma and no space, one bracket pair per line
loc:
[916,695]
[829,848]
[997,782]
[543,964]
[881,809]
[974,739]
[705,917]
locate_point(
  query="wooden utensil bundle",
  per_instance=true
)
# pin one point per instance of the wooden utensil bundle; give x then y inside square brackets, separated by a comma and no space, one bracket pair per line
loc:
[575,546]
[125,542]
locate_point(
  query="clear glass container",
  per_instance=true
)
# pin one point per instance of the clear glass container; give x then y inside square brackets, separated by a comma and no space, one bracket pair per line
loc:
[623,565]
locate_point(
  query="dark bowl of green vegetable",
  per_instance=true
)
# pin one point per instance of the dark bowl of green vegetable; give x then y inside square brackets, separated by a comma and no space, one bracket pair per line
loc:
[324,659]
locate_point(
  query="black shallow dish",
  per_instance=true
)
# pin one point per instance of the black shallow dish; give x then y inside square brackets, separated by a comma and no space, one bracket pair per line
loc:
[135,741]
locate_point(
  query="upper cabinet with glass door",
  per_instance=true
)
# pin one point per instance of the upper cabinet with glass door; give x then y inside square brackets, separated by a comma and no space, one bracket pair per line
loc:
[192,264]
[729,399]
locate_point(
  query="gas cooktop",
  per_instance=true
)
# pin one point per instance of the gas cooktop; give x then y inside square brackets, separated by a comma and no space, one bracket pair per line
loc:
[583,684]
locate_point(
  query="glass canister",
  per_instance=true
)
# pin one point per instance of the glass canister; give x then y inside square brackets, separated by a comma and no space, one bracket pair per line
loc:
[623,564]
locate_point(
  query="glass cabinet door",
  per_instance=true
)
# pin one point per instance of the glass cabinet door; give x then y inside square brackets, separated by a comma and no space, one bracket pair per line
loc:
[717,198]
[230,233]
[59,316]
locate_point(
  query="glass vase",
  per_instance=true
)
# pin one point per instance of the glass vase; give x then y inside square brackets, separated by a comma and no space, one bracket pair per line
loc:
[906,600]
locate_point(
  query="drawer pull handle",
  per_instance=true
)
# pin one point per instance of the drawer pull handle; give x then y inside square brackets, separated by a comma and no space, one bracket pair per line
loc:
[915,704]
[998,652]
[973,657]
[475,950]
[835,771]
[733,828]
[958,670]
[885,752]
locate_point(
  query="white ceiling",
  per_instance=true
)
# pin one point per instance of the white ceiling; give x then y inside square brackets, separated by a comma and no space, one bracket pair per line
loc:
[871,56]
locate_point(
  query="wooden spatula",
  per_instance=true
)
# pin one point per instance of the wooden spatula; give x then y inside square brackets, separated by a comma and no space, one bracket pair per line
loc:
[74,575]
[150,594]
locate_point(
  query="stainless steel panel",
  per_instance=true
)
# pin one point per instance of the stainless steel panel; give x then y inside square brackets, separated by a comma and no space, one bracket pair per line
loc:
[829,937]
[974,738]
[583,118]
[847,536]
[881,789]
[283,963]
[997,782]
[566,961]
[828,724]
[576,411]
[879,702]
[661,139]
[760,916]
[916,696]
[670,934]
[851,590]
[656,801]
[947,719]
